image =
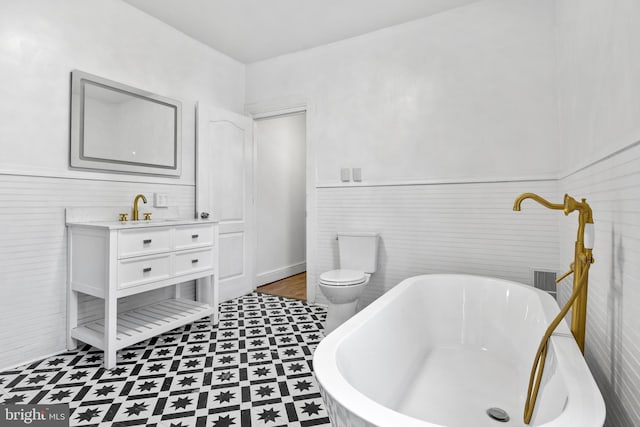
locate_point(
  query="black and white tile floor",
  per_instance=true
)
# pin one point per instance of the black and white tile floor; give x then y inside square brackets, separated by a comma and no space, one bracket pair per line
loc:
[253,369]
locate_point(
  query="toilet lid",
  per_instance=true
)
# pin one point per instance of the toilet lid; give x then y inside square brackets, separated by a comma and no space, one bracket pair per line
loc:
[342,277]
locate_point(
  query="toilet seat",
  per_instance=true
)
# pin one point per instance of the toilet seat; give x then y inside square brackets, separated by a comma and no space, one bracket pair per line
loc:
[343,278]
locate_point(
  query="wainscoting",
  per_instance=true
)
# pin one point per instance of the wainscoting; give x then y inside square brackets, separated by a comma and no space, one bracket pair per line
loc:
[458,227]
[33,255]
[612,188]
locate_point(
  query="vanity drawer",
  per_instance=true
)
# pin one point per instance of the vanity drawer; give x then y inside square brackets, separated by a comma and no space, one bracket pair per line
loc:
[143,241]
[192,261]
[193,236]
[138,271]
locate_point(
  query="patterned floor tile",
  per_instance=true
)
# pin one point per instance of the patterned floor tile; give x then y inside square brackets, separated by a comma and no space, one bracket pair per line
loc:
[253,369]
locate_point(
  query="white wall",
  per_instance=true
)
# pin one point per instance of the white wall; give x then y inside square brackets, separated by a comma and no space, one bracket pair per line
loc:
[599,82]
[598,68]
[280,196]
[425,109]
[451,96]
[40,43]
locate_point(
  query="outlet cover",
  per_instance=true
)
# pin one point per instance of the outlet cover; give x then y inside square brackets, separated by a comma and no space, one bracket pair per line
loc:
[160,200]
[357,174]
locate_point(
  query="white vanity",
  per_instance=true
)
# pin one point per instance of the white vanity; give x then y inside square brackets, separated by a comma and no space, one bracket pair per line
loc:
[112,260]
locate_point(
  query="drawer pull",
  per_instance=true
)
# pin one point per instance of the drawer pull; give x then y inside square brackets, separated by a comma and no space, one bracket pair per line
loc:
[194,261]
[146,241]
[194,236]
[146,270]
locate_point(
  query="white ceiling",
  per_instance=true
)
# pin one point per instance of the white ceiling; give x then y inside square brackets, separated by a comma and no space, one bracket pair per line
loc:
[252,30]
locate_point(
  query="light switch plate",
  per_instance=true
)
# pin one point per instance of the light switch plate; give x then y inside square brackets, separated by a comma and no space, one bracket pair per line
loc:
[357,174]
[345,174]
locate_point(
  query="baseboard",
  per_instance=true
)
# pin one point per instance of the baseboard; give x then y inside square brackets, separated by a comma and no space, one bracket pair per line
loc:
[37,359]
[280,273]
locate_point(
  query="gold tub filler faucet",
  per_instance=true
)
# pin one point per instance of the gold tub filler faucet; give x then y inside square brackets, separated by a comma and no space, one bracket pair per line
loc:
[582,260]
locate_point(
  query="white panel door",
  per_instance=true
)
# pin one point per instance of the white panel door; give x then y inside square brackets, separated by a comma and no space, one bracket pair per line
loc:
[224,189]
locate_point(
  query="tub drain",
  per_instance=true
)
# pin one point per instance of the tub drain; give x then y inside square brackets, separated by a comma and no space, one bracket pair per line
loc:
[498,414]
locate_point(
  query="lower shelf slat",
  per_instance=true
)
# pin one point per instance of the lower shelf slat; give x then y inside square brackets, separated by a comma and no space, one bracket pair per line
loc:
[144,322]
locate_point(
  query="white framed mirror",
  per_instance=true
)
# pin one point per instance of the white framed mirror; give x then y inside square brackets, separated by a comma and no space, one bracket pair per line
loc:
[119,128]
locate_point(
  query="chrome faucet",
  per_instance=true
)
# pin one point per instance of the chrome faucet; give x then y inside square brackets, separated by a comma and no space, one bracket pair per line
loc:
[135,213]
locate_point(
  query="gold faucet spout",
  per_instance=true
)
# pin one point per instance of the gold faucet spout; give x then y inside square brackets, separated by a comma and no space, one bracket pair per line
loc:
[543,202]
[135,213]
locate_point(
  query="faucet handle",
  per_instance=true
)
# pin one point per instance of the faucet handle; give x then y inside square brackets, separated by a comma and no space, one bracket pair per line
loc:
[564,276]
[147,216]
[123,217]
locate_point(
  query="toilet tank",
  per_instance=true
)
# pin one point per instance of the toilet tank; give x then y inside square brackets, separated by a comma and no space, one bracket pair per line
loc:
[358,251]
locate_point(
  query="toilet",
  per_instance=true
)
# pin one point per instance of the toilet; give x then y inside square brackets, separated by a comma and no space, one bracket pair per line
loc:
[358,254]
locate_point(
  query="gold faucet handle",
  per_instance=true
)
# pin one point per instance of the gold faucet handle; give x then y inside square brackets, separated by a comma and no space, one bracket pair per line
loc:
[123,217]
[564,276]
[147,216]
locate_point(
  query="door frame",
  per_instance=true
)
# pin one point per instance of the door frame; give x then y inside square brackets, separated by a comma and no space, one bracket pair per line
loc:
[273,109]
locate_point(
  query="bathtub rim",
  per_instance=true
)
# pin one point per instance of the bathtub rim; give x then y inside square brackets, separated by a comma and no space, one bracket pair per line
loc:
[585,405]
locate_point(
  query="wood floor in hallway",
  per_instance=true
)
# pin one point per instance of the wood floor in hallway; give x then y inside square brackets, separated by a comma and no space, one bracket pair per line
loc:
[290,287]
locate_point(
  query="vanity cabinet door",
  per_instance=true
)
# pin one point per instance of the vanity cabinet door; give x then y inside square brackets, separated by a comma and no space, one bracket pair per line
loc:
[143,241]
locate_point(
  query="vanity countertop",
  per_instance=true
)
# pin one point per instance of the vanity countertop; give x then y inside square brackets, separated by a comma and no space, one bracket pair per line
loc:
[160,222]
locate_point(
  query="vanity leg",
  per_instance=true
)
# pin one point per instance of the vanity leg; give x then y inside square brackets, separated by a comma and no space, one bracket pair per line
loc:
[177,290]
[72,299]
[110,327]
[206,292]
[72,317]
[110,357]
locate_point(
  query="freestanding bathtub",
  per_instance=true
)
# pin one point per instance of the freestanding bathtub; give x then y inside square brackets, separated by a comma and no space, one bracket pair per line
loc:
[440,350]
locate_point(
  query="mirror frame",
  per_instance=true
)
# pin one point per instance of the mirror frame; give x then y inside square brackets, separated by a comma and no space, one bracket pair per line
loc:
[77,157]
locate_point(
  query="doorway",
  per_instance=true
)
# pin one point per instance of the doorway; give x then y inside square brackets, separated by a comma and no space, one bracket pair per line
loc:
[280,203]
